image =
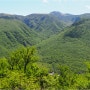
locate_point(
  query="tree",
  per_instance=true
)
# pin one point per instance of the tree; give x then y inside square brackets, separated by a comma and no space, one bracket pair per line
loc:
[22,57]
[87,74]
[66,78]
[88,66]
[3,66]
[42,73]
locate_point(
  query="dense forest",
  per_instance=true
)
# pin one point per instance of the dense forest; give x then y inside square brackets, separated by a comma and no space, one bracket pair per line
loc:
[22,71]
[45,52]
[70,47]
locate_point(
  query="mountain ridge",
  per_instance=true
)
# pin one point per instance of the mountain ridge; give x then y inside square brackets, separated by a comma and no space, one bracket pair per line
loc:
[48,30]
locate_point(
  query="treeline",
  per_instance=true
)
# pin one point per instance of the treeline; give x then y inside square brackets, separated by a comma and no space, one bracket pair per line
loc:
[21,71]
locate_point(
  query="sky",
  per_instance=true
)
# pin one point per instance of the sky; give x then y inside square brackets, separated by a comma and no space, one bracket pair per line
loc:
[26,7]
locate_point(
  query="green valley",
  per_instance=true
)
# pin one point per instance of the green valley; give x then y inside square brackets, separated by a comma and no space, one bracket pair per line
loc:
[45,51]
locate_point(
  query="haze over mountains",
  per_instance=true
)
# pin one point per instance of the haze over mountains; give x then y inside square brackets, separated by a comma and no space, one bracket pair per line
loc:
[61,38]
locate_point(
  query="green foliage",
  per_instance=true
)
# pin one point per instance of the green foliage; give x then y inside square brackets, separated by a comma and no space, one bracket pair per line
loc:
[16,80]
[14,75]
[21,71]
[3,67]
[70,47]
[81,82]
[22,57]
[66,78]
[44,24]
[13,34]
[88,66]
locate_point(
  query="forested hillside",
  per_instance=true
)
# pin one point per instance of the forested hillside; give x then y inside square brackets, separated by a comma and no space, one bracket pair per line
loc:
[44,24]
[13,34]
[21,71]
[45,51]
[71,47]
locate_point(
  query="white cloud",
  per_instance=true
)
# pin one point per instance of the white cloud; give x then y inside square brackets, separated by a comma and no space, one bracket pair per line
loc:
[45,1]
[87,6]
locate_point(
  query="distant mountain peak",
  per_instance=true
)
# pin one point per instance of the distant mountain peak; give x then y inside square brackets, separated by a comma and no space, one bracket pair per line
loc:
[60,13]
[56,12]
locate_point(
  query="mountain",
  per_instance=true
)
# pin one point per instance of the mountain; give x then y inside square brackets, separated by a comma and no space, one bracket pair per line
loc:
[44,24]
[40,23]
[70,47]
[14,33]
[17,30]
[47,25]
[68,19]
[85,16]
[9,16]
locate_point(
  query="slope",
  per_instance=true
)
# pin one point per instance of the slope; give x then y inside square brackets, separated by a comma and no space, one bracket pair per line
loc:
[47,25]
[44,24]
[40,23]
[67,19]
[71,47]
[14,33]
